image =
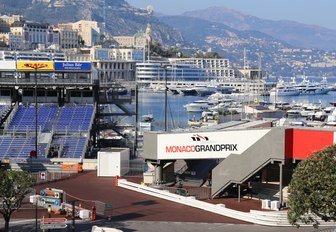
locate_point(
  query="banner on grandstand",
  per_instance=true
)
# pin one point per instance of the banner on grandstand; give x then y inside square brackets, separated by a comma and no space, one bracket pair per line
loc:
[35,66]
[72,66]
[7,65]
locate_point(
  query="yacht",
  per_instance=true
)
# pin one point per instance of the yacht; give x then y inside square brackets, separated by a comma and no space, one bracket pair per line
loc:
[312,88]
[199,106]
[205,90]
[147,118]
[307,87]
[285,90]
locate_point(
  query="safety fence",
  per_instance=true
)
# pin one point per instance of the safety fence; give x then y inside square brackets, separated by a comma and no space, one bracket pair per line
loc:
[45,177]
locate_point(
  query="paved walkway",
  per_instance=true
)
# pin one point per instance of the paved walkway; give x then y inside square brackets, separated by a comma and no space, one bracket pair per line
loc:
[129,207]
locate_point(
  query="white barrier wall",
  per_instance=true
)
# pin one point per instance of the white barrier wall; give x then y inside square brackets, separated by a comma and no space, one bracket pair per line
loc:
[266,218]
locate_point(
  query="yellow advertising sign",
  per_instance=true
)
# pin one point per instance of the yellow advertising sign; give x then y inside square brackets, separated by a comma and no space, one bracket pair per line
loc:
[35,65]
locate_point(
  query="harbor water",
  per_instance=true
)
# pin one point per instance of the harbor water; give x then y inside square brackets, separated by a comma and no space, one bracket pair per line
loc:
[154,103]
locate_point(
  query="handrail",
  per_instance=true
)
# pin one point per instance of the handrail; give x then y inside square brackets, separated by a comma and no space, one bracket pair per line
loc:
[8,121]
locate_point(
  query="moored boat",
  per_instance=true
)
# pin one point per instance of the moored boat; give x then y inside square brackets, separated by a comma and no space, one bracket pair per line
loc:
[198,106]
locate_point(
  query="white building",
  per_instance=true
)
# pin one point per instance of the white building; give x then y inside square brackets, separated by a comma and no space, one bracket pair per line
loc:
[28,35]
[121,54]
[89,31]
[7,21]
[69,38]
[217,67]
[110,67]
[31,55]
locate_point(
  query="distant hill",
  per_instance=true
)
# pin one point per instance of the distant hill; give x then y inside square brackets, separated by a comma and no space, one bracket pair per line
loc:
[225,40]
[297,34]
[121,18]
[217,29]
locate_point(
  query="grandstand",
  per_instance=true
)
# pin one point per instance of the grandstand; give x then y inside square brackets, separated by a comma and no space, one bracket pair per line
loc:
[60,129]
[48,118]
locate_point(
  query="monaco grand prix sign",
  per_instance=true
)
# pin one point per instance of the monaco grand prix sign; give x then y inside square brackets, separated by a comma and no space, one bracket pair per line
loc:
[206,145]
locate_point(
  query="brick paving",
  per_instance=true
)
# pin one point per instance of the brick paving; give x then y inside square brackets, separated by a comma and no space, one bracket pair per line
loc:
[128,205]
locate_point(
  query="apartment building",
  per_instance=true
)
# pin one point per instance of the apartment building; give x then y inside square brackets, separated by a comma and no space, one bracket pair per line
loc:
[89,31]
[69,38]
[30,35]
[217,67]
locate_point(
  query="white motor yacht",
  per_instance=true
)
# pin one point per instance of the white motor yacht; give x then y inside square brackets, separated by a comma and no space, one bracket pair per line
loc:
[198,106]
[285,90]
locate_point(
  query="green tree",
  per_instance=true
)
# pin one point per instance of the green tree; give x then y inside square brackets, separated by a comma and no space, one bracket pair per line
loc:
[208,55]
[312,191]
[14,186]
[156,49]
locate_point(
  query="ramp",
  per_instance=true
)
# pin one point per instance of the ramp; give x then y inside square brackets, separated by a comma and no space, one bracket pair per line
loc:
[236,169]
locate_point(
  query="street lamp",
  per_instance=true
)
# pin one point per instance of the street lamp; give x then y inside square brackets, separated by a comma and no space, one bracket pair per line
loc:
[49,212]
[36,113]
[36,204]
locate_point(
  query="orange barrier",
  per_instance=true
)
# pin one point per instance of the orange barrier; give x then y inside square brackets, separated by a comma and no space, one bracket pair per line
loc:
[93,215]
[72,167]
[116,181]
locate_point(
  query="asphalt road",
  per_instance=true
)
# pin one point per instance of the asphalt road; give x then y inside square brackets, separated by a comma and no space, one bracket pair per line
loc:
[133,211]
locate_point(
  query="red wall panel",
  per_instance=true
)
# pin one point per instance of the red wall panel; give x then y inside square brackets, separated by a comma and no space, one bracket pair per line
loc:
[300,144]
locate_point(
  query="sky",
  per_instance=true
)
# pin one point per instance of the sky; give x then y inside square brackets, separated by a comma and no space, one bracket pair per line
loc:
[313,12]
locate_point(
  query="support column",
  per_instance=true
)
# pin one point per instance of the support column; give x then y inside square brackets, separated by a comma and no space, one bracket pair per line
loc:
[238,192]
[280,184]
[158,174]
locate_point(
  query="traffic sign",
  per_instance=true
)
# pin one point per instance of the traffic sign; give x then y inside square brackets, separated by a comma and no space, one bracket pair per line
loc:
[44,226]
[53,220]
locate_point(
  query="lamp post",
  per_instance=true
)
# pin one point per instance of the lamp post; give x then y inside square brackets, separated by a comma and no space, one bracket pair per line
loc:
[49,212]
[36,112]
[36,203]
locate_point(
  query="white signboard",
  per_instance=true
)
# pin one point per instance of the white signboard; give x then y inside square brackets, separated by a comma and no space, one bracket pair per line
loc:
[206,145]
[45,226]
[7,65]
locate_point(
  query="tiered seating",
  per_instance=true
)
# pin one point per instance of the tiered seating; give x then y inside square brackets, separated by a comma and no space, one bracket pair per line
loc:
[74,119]
[69,120]
[24,119]
[18,147]
[71,147]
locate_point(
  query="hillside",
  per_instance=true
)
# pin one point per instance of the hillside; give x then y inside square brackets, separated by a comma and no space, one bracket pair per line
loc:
[220,30]
[225,40]
[121,18]
[297,34]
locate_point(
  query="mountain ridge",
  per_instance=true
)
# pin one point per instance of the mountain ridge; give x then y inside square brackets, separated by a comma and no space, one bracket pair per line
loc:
[297,34]
[121,18]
